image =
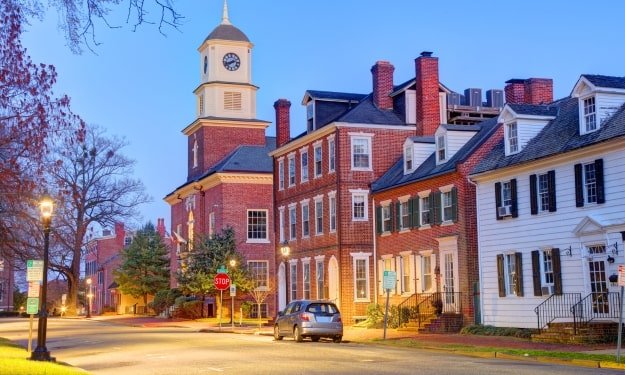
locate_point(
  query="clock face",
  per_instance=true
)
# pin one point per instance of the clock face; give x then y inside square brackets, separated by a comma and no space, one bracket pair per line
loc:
[231,61]
[205,64]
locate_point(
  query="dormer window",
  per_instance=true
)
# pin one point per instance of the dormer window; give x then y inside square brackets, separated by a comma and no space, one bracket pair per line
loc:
[512,138]
[310,110]
[440,148]
[408,158]
[590,114]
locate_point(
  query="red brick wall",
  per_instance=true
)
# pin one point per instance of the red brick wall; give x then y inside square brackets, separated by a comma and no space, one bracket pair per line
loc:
[283,121]
[427,99]
[538,91]
[382,73]
[515,91]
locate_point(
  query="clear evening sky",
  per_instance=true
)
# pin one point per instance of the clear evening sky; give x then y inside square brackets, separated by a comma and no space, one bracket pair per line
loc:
[139,85]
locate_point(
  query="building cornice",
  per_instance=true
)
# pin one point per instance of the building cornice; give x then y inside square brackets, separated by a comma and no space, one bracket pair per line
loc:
[223,122]
[225,84]
[215,179]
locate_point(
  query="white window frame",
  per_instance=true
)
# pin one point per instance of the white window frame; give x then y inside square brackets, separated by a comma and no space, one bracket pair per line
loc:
[318,159]
[357,194]
[201,105]
[303,154]
[447,204]
[547,275]
[306,293]
[281,174]
[194,151]
[356,139]
[305,208]
[318,215]
[441,148]
[589,114]
[292,279]
[589,188]
[424,196]
[292,221]
[542,192]
[426,271]
[512,137]
[332,209]
[319,276]
[506,193]
[211,225]
[405,276]
[386,217]
[404,213]
[361,259]
[253,275]
[281,221]
[408,159]
[291,165]
[510,273]
[331,154]
[258,240]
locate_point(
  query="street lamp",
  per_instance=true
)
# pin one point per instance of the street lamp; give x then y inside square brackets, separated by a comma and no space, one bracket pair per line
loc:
[233,264]
[285,250]
[41,353]
[89,295]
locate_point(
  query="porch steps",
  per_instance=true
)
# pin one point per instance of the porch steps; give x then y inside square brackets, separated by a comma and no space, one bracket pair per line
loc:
[590,333]
[444,323]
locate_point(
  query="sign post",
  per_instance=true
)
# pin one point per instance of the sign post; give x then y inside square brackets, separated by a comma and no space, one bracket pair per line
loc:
[233,293]
[222,282]
[34,276]
[621,283]
[388,282]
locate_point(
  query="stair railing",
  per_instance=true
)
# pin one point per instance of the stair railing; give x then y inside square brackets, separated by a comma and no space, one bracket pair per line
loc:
[422,307]
[596,305]
[556,306]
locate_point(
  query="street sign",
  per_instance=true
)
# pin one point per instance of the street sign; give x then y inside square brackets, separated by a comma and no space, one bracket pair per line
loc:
[233,290]
[222,269]
[33,289]
[34,270]
[32,306]
[621,275]
[222,281]
[389,280]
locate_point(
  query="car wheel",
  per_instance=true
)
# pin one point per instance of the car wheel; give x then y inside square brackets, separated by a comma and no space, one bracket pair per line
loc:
[337,339]
[315,338]
[276,333]
[297,335]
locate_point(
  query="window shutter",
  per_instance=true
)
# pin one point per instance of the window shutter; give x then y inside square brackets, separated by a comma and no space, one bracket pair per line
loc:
[410,213]
[412,273]
[579,188]
[397,264]
[533,195]
[515,206]
[380,277]
[536,273]
[415,212]
[599,177]
[454,204]
[497,199]
[557,271]
[551,185]
[438,214]
[432,208]
[418,275]
[378,219]
[397,216]
[500,276]
[519,274]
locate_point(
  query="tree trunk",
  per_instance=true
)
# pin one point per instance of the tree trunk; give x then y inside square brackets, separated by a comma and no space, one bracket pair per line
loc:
[145,303]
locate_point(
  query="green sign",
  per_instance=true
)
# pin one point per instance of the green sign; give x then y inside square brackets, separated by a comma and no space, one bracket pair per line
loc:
[222,269]
[32,305]
[389,279]
[34,270]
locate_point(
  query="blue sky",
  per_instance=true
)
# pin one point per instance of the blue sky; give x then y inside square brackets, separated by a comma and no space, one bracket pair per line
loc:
[139,85]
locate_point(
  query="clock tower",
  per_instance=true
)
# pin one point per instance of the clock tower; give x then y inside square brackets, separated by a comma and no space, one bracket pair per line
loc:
[226,99]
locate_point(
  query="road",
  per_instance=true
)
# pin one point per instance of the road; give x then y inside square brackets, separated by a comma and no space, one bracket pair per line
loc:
[102,347]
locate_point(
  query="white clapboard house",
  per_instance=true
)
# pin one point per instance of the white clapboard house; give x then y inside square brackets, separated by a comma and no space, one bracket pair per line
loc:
[551,210]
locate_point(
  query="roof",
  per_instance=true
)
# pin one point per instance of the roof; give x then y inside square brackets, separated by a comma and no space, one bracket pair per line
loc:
[606,81]
[366,112]
[227,32]
[558,136]
[332,95]
[419,139]
[534,109]
[462,128]
[395,177]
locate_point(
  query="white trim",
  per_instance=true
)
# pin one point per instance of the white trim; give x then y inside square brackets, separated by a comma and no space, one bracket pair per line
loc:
[317,198]
[368,137]
[332,193]
[319,257]
[404,198]
[424,194]
[366,257]
[446,188]
[359,192]
[247,224]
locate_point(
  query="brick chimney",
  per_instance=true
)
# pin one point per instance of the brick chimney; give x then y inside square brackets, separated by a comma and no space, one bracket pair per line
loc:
[529,91]
[160,227]
[427,99]
[283,121]
[382,73]
[515,91]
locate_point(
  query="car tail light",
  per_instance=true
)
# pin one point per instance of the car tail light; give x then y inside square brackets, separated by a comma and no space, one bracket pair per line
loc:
[306,317]
[337,318]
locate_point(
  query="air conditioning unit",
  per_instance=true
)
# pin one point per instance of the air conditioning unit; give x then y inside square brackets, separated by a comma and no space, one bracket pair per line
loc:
[548,290]
[504,210]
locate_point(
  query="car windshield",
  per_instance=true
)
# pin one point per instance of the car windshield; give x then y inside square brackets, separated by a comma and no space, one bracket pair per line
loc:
[322,308]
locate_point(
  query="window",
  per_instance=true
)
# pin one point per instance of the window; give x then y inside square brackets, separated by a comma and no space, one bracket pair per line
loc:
[178,238]
[590,183]
[589,186]
[543,192]
[292,223]
[291,170]
[281,220]
[590,114]
[440,148]
[386,218]
[359,206]
[201,100]
[404,215]
[506,193]
[332,199]
[331,155]
[194,151]
[426,272]
[319,275]
[211,225]
[318,216]
[448,206]
[304,165]
[506,199]
[547,268]
[281,174]
[425,209]
[361,153]
[513,138]
[305,220]
[510,274]
[310,115]
[306,279]
[408,158]
[190,231]
[257,225]
[318,161]
[254,311]
[361,276]
[596,249]
[259,273]
[232,101]
[127,241]
[405,274]
[293,280]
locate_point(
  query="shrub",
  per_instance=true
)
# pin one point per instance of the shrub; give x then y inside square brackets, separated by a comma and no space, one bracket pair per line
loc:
[189,310]
[246,307]
[487,330]
[9,314]
[163,299]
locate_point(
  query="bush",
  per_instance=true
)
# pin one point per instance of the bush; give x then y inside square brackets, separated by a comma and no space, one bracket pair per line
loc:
[478,329]
[189,310]
[163,299]
[246,307]
[9,314]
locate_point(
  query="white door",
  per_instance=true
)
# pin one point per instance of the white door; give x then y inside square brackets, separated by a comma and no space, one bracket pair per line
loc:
[450,303]
[333,281]
[281,287]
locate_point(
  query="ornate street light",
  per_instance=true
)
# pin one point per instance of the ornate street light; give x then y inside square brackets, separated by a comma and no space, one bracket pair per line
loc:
[41,353]
[89,295]
[233,264]
[285,250]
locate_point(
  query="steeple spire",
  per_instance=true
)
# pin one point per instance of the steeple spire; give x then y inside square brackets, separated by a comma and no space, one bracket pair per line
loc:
[224,17]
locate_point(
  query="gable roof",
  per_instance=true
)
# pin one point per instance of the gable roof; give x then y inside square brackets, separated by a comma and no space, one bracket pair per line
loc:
[534,109]
[366,112]
[605,81]
[395,177]
[332,95]
[558,136]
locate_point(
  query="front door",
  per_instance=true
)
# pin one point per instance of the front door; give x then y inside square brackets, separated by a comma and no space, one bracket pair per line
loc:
[333,281]
[449,283]
[598,287]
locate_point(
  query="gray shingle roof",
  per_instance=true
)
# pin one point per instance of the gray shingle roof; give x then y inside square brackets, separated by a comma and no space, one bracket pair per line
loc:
[227,32]
[395,177]
[558,136]
[463,128]
[366,112]
[418,139]
[331,95]
[534,110]
[606,81]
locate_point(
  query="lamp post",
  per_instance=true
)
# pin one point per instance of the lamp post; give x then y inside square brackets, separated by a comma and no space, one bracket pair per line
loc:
[285,250]
[41,353]
[233,264]
[88,295]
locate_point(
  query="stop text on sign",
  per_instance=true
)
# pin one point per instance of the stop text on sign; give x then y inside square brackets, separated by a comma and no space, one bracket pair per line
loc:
[222,281]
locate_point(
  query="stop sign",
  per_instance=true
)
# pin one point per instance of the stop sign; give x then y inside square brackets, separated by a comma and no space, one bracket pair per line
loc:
[222,281]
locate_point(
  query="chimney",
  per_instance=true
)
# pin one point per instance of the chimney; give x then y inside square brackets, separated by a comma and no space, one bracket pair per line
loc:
[515,91]
[428,103]
[283,121]
[538,91]
[382,73]
[160,227]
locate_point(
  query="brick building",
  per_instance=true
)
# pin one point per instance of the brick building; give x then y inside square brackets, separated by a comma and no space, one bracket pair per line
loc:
[229,181]
[7,284]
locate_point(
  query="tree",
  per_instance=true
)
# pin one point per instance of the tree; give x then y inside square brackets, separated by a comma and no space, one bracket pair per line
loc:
[19,299]
[144,269]
[93,187]
[260,294]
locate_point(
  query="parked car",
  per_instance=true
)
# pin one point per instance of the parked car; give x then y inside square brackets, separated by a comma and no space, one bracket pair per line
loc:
[309,318]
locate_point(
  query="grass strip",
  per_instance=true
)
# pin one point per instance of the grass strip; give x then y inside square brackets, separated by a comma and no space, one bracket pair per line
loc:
[15,360]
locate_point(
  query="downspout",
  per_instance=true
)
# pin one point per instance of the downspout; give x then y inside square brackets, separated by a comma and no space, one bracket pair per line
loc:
[375,255]
[337,169]
[479,253]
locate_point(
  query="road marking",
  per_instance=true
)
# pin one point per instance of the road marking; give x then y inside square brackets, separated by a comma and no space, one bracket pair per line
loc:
[156,355]
[215,369]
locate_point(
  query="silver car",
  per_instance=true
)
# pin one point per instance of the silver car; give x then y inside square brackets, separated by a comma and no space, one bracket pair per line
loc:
[306,318]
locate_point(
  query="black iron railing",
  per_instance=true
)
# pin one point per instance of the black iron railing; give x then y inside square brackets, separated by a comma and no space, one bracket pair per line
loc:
[603,305]
[556,306]
[422,307]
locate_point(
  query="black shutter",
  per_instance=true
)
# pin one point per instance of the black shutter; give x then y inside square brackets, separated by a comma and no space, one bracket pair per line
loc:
[533,195]
[410,211]
[500,276]
[431,216]
[398,216]
[599,177]
[378,219]
[514,208]
[415,212]
[497,199]
[519,274]
[438,214]
[551,185]
[536,273]
[579,186]
[454,204]
[557,271]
